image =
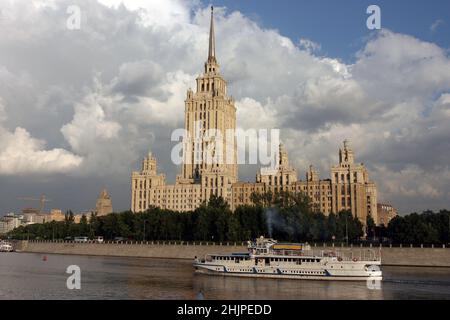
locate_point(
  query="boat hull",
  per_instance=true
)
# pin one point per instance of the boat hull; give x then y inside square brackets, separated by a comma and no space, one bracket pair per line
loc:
[216,270]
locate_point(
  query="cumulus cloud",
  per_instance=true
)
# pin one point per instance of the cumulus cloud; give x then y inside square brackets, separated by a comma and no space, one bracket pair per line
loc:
[22,154]
[98,98]
[309,45]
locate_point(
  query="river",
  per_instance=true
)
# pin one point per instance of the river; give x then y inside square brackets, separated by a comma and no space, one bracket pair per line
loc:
[38,276]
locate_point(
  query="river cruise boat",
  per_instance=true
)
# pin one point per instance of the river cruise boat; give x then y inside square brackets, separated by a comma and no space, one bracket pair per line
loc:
[6,247]
[266,258]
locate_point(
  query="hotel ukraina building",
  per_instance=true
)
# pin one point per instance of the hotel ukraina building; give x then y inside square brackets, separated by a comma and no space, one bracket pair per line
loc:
[348,189]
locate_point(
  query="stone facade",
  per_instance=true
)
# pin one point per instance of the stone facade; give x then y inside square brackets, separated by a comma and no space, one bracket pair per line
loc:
[351,188]
[55,215]
[209,108]
[103,205]
[9,222]
[348,189]
[386,213]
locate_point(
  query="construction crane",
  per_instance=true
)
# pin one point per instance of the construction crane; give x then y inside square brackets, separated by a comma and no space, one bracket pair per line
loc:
[43,199]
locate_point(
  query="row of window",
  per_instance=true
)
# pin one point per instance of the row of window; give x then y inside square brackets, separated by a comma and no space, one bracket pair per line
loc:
[346,177]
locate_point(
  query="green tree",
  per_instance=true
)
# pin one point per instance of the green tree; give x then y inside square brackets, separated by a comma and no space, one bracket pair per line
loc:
[371,226]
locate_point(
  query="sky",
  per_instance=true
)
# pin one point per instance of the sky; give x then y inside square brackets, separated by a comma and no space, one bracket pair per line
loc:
[79,109]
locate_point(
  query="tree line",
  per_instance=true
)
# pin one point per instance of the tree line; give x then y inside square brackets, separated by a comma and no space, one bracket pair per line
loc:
[283,216]
[426,228]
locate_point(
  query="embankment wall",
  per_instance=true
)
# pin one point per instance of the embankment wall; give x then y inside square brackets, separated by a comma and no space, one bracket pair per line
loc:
[395,256]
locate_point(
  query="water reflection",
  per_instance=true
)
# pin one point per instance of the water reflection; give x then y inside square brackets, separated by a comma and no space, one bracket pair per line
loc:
[217,287]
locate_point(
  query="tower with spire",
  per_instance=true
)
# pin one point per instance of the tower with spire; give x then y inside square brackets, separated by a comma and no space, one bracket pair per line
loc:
[210,156]
[209,164]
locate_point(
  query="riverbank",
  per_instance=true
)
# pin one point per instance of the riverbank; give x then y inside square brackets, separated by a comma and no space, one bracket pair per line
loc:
[404,256]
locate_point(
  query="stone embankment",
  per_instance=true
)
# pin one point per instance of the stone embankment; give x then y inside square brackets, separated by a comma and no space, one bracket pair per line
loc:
[394,256]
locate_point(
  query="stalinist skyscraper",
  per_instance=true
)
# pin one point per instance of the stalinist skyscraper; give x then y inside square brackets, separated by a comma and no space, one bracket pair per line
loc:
[209,157]
[209,149]
[209,163]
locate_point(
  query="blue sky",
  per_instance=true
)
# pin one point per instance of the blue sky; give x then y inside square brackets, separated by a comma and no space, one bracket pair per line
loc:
[340,26]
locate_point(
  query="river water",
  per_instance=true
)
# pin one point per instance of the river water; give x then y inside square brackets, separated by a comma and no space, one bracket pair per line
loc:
[37,276]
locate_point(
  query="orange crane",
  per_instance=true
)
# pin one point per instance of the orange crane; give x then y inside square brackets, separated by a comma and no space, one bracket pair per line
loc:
[43,199]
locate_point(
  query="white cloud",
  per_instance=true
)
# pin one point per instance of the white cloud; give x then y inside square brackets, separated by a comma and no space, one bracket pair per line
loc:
[89,126]
[155,12]
[22,154]
[309,45]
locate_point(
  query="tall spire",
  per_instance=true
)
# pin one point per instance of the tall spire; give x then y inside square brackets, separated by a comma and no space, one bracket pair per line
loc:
[212,40]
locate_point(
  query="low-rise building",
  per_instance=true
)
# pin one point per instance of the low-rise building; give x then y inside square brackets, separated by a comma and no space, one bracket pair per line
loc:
[9,222]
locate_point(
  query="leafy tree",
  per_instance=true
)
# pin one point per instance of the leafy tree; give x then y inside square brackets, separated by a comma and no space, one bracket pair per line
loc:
[370,225]
[282,215]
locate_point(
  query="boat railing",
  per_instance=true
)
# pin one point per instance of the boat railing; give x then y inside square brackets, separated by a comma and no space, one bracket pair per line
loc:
[347,255]
[342,255]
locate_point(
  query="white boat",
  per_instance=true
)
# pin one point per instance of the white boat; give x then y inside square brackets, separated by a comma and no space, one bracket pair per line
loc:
[268,259]
[6,247]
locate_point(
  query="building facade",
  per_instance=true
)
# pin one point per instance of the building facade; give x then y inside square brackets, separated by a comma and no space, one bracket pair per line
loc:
[386,213]
[351,188]
[103,206]
[209,114]
[210,109]
[9,222]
